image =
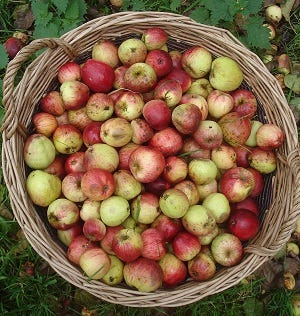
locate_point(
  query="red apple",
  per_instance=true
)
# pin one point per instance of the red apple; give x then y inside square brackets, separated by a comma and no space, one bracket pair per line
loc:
[154,38]
[168,227]
[185,246]
[258,182]
[208,134]
[248,204]
[243,223]
[219,103]
[71,187]
[57,167]
[157,186]
[91,134]
[160,61]
[74,94]
[227,249]
[245,102]
[124,154]
[119,82]
[106,51]
[169,91]
[192,150]
[189,188]
[63,118]
[242,154]
[74,162]
[269,136]
[153,244]
[69,71]
[168,141]
[176,58]
[202,267]
[127,244]
[12,46]
[44,123]
[236,184]
[99,106]
[140,77]
[146,164]
[131,51]
[174,270]
[62,214]
[67,139]
[176,169]
[97,184]
[141,131]
[182,77]
[97,75]
[77,247]
[68,235]
[198,100]
[52,103]
[157,114]
[107,240]
[94,229]
[79,118]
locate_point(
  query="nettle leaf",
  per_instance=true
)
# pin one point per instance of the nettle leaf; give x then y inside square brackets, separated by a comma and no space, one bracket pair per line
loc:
[253,6]
[138,5]
[50,30]
[40,8]
[72,11]
[68,25]
[82,8]
[201,15]
[224,11]
[61,5]
[3,57]
[175,5]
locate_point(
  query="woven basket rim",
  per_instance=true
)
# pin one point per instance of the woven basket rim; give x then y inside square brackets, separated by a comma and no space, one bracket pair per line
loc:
[19,104]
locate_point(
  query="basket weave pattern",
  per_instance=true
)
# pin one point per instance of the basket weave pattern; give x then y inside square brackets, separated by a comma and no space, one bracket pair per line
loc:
[20,103]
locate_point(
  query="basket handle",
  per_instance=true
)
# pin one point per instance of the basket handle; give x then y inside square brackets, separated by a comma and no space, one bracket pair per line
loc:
[10,122]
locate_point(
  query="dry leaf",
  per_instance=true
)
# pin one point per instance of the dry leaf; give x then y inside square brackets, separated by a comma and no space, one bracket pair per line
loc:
[286,9]
[292,265]
[270,272]
[23,16]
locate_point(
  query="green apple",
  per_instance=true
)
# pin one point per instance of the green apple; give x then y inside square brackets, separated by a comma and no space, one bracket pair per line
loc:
[114,275]
[251,141]
[218,206]
[174,203]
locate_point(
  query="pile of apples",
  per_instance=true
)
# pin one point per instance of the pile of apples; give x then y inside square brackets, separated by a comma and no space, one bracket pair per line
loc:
[148,162]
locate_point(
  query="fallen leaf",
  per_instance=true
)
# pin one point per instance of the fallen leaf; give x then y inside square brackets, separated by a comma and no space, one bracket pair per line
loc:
[292,265]
[286,9]
[23,17]
[270,272]
[292,82]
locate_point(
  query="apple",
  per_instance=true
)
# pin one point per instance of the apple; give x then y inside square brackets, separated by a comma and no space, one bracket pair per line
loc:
[202,171]
[77,247]
[119,82]
[127,244]
[258,182]
[176,58]
[284,64]
[198,100]
[129,105]
[248,204]
[182,77]
[157,114]
[168,227]
[236,184]
[97,184]
[169,91]
[68,235]
[97,75]
[42,187]
[114,210]
[251,141]
[174,270]
[71,187]
[154,38]
[114,276]
[200,87]
[131,223]
[67,139]
[269,136]
[185,246]
[44,123]
[57,167]
[62,214]
[192,150]
[106,51]
[52,103]
[101,156]
[141,131]
[160,61]
[124,154]
[208,238]
[245,102]
[63,118]
[198,220]
[176,169]
[79,118]
[140,77]
[69,71]
[146,163]
[39,151]
[74,162]
[107,240]
[95,263]
[99,107]
[242,154]
[12,46]
[174,203]
[225,74]
[219,103]
[116,132]
[168,141]
[205,189]
[224,156]
[273,13]
[218,206]
[227,249]
[91,134]
[153,244]
[264,161]
[196,61]
[243,223]
[74,94]
[131,51]
[235,128]
[94,229]
[202,267]
[186,118]
[158,186]
[90,209]
[208,134]
[144,274]
[126,185]
[189,188]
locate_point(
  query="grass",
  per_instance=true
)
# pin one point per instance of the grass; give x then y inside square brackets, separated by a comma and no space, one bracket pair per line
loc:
[30,287]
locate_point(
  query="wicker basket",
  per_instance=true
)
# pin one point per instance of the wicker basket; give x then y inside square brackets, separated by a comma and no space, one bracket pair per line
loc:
[283,191]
